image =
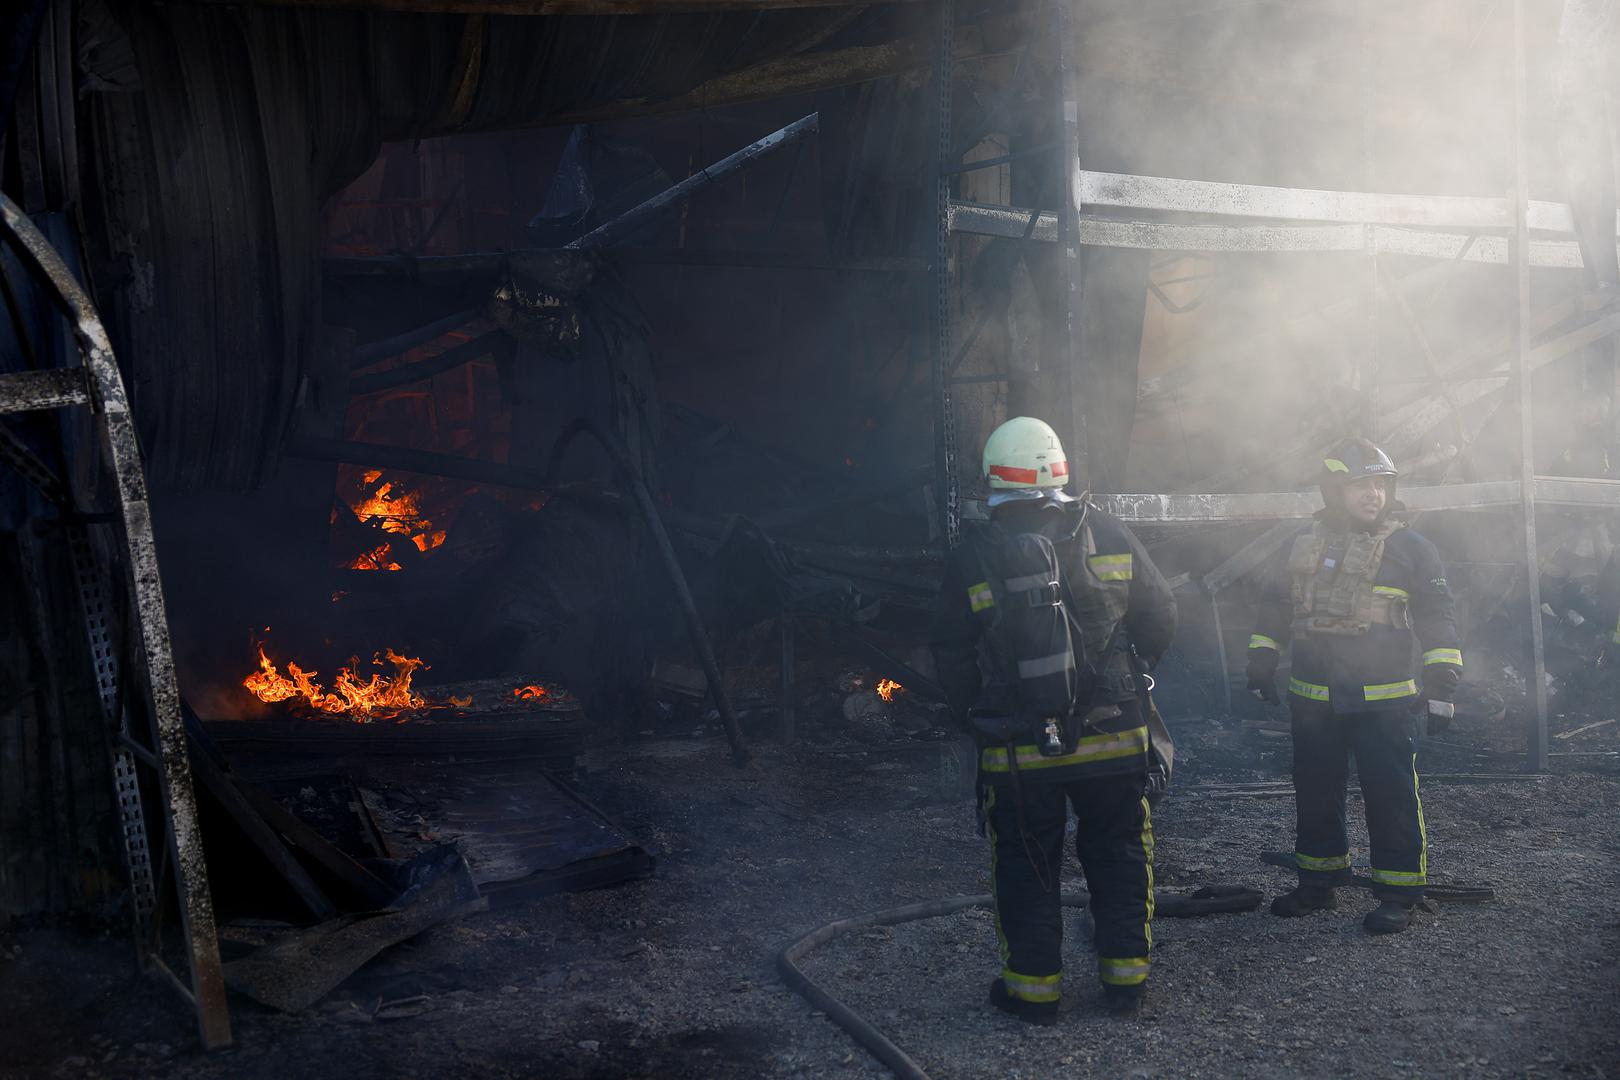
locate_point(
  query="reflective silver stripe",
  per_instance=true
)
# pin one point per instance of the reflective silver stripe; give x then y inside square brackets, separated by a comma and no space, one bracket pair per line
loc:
[1123,972]
[1032,987]
[1046,665]
[1314,691]
[1312,862]
[1027,582]
[1389,691]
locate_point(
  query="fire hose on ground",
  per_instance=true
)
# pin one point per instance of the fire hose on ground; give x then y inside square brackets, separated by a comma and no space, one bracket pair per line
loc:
[1211,900]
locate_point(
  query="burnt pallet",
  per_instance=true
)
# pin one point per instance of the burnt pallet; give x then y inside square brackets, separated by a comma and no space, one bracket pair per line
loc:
[551,741]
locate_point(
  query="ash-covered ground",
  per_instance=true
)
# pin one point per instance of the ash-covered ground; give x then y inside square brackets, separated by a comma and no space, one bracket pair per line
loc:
[674,976]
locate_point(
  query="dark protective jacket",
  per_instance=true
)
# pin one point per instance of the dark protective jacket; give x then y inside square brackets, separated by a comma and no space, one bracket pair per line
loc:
[1114,562]
[1368,665]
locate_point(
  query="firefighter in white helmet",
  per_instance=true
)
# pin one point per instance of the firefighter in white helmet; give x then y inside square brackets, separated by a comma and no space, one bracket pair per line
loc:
[1051,595]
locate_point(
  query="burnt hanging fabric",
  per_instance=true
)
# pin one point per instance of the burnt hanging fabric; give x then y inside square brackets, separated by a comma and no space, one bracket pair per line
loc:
[208,167]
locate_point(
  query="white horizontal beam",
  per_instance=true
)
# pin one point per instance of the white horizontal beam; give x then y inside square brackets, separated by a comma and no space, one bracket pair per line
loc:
[1122,191]
[1013,221]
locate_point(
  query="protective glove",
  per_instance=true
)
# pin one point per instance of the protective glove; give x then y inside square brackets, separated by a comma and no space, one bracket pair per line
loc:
[1262,675]
[1434,702]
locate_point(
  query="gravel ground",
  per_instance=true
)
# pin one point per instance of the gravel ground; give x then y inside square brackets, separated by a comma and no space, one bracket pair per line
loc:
[674,976]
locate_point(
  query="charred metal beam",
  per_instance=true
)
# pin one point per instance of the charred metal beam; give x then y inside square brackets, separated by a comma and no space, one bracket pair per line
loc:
[405,459]
[771,260]
[788,76]
[613,232]
[549,7]
[630,476]
[448,360]
[52,388]
[373,351]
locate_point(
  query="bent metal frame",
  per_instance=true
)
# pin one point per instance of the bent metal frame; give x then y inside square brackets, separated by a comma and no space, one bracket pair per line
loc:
[159,744]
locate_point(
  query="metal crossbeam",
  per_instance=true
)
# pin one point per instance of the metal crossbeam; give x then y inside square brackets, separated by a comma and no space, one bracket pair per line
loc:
[28,391]
[1198,509]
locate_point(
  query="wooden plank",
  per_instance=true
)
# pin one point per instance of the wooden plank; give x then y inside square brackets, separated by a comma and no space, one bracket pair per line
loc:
[298,833]
[263,838]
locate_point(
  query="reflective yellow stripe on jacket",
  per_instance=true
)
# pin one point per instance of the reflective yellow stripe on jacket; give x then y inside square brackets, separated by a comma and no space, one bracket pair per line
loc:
[1390,691]
[1109,746]
[1442,656]
[1260,641]
[1111,567]
[1310,690]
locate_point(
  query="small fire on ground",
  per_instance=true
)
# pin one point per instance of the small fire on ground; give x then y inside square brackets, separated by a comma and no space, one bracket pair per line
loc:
[887,688]
[381,697]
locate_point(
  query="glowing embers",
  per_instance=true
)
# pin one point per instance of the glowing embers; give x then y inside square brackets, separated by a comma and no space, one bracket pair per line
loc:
[529,693]
[382,697]
[887,688]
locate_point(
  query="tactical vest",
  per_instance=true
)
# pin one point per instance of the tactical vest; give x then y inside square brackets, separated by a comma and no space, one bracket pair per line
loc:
[1332,582]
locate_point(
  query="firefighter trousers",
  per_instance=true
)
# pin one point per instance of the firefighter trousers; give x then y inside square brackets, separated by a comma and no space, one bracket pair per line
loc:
[1386,764]
[1114,839]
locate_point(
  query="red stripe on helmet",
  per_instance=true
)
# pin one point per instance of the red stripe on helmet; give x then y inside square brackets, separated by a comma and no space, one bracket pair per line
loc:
[1060,468]
[1012,475]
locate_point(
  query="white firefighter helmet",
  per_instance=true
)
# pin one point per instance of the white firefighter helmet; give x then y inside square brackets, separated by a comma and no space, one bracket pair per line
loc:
[1023,459]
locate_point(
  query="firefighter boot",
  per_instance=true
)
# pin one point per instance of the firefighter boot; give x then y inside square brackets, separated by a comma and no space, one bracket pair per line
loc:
[1123,1001]
[1044,1013]
[1304,900]
[1389,917]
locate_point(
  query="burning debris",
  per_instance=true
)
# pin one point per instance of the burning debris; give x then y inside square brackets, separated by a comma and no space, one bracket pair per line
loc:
[394,509]
[381,697]
[886,689]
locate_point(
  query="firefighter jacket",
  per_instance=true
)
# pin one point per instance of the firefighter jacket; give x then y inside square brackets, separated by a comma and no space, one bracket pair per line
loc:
[1352,601]
[1106,568]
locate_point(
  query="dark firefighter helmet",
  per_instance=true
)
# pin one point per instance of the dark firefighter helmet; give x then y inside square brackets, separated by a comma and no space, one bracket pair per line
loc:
[1351,460]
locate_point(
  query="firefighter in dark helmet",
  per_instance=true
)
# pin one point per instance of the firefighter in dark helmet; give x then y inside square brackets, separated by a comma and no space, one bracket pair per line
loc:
[1039,612]
[1352,591]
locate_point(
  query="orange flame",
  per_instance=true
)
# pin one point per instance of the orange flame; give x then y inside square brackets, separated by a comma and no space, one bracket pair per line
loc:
[529,693]
[887,687]
[380,696]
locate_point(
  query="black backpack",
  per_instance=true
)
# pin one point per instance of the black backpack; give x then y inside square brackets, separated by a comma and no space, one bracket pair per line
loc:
[1030,633]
